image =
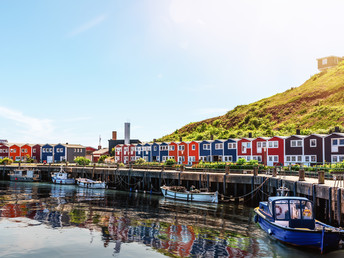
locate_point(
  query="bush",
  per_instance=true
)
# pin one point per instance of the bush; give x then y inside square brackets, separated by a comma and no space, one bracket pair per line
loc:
[102,158]
[82,161]
[7,161]
[241,161]
[170,162]
[140,161]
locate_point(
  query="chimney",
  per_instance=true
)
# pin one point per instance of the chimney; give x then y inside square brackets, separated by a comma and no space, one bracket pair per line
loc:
[154,140]
[180,139]
[250,135]
[211,137]
[114,135]
[126,133]
[298,131]
[336,129]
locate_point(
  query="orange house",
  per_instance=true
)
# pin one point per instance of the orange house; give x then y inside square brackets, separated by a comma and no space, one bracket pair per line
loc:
[193,153]
[24,151]
[15,152]
[173,151]
[183,153]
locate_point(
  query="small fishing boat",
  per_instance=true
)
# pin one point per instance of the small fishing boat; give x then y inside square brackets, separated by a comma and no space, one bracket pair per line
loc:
[194,195]
[62,178]
[89,183]
[291,220]
[24,175]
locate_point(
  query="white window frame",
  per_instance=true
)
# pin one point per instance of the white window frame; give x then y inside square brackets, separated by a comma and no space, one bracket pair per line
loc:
[313,142]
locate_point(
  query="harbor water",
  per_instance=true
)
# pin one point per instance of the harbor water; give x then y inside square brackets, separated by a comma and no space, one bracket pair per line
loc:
[47,220]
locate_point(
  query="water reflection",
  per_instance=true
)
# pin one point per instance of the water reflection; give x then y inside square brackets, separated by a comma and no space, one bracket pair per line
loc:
[171,228]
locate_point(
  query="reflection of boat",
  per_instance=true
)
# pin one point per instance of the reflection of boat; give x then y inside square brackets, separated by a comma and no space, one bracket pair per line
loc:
[61,177]
[24,175]
[180,193]
[291,220]
[89,183]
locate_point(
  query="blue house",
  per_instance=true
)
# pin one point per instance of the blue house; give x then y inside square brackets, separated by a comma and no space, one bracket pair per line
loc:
[230,150]
[155,152]
[217,151]
[205,151]
[48,153]
[163,152]
[139,152]
[60,153]
[147,152]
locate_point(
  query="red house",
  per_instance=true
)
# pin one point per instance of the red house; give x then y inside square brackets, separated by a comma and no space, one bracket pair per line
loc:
[245,148]
[173,151]
[119,153]
[275,151]
[25,152]
[36,152]
[193,152]
[15,152]
[183,153]
[4,151]
[259,149]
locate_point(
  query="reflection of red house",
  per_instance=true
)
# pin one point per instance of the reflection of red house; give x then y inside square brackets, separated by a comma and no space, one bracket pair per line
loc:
[14,210]
[193,152]
[173,151]
[4,151]
[119,228]
[180,239]
[183,153]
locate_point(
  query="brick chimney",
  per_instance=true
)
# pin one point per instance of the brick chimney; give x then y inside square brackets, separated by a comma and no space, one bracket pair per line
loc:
[298,132]
[114,135]
[336,129]
[249,135]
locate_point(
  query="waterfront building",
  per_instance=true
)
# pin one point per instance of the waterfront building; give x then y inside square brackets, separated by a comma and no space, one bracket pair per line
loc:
[183,153]
[294,151]
[163,151]
[25,152]
[36,152]
[60,153]
[314,149]
[217,150]
[155,152]
[47,153]
[118,153]
[193,156]
[259,149]
[275,151]
[334,147]
[98,153]
[173,151]
[245,148]
[205,151]
[230,150]
[73,151]
[14,151]
[139,152]
[147,152]
[4,150]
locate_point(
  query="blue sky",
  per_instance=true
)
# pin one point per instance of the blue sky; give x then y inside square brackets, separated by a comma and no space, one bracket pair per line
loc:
[73,70]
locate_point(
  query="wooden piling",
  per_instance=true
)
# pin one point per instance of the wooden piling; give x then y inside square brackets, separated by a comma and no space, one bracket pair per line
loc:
[274,172]
[330,205]
[301,174]
[339,202]
[321,177]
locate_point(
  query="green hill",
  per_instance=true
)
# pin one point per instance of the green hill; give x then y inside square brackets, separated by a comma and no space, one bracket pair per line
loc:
[317,106]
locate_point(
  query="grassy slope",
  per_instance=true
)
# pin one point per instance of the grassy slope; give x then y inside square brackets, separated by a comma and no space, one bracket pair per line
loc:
[314,107]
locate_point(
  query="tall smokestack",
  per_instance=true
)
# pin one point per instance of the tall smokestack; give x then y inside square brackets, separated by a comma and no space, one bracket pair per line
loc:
[126,133]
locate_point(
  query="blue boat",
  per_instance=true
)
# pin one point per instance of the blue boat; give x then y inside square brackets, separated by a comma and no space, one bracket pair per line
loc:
[291,220]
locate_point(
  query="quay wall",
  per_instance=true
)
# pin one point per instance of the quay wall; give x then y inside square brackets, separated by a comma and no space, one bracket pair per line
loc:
[249,188]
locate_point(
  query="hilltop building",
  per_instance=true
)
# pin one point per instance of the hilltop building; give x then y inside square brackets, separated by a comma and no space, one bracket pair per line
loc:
[328,62]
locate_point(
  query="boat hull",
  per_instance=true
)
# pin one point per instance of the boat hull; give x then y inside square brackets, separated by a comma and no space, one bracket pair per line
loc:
[188,196]
[69,181]
[92,185]
[22,178]
[300,237]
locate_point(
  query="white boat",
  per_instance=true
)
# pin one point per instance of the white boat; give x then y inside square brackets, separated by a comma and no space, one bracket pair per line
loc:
[62,178]
[180,193]
[89,183]
[24,175]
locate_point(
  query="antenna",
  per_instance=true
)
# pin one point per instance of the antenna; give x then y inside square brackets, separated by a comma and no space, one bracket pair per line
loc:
[100,142]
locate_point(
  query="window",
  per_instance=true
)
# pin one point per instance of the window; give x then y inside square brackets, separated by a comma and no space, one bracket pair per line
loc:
[171,147]
[313,158]
[296,143]
[57,150]
[218,146]
[334,142]
[313,143]
[231,145]
[155,148]
[341,142]
[299,158]
[193,147]
[306,158]
[181,147]
[307,211]
[282,210]
[288,158]
[324,61]
[295,212]
[293,158]
[206,146]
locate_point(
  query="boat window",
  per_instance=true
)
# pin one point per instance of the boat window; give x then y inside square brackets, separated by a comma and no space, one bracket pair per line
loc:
[282,210]
[270,207]
[307,210]
[295,212]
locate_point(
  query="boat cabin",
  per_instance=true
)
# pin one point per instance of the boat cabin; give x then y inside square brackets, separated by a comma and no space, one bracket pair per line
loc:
[288,211]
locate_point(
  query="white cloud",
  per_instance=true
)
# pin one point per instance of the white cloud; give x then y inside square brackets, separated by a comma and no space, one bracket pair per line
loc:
[88,25]
[30,127]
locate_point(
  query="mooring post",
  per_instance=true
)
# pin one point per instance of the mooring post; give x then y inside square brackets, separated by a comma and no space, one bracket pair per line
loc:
[255,171]
[160,176]
[252,187]
[236,199]
[295,187]
[321,177]
[226,169]
[302,174]
[200,181]
[224,184]
[179,178]
[208,181]
[274,172]
[314,193]
[330,205]
[339,208]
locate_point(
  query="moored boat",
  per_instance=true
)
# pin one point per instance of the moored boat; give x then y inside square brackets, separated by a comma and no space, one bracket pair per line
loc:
[291,220]
[180,193]
[24,175]
[89,183]
[62,177]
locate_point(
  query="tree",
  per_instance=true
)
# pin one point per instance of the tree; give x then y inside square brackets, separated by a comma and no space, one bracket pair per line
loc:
[7,161]
[82,161]
[140,161]
[102,158]
[170,162]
